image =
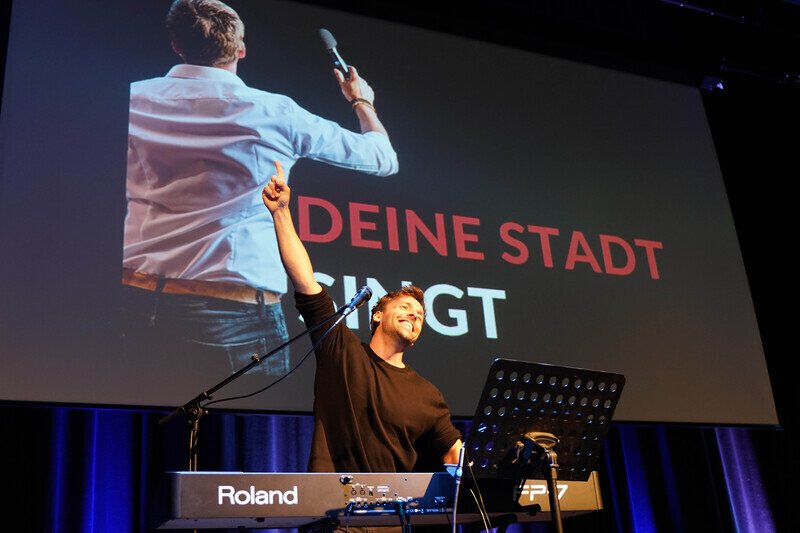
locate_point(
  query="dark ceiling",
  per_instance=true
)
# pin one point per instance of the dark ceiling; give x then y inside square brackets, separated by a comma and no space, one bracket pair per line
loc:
[753,42]
[748,41]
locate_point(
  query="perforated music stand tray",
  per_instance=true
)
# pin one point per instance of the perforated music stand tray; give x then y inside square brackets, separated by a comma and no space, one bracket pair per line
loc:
[575,405]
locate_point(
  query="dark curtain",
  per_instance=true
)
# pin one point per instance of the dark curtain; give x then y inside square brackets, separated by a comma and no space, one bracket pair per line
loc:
[98,470]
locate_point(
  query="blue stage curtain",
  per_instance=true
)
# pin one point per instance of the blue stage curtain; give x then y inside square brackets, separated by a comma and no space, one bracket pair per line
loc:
[97,470]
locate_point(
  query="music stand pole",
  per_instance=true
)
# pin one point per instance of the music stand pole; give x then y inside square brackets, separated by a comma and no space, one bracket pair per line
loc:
[545,442]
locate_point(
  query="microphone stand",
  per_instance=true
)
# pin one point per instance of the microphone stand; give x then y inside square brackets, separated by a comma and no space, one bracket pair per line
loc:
[457,474]
[195,409]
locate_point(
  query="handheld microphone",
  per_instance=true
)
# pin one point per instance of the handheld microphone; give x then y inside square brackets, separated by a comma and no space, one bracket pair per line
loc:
[330,45]
[362,296]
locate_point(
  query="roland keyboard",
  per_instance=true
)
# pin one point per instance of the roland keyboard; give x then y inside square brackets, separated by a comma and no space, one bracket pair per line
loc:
[204,500]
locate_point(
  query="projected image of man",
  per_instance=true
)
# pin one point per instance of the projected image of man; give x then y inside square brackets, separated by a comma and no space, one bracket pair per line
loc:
[200,263]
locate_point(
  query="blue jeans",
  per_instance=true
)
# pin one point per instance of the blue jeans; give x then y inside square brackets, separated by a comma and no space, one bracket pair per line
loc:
[196,330]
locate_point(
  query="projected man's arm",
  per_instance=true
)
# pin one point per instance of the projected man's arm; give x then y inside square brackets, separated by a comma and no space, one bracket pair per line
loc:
[359,93]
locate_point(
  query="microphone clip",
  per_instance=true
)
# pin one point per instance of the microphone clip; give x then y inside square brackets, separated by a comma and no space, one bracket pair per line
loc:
[361,297]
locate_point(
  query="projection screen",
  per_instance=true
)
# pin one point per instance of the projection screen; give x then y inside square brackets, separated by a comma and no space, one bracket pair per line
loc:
[552,211]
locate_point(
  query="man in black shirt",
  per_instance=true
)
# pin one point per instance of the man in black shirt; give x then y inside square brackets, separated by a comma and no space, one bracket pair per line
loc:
[372,412]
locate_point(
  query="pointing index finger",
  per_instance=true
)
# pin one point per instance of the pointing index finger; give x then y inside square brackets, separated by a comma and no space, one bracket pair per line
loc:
[279,168]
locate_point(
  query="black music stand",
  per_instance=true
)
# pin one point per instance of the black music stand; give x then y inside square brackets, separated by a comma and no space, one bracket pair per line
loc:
[540,421]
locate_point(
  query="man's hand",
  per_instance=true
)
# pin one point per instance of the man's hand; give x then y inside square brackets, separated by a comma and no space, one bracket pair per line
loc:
[453,454]
[355,87]
[275,196]
[276,193]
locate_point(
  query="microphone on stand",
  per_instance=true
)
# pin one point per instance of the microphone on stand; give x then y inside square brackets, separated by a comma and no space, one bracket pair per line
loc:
[330,45]
[362,296]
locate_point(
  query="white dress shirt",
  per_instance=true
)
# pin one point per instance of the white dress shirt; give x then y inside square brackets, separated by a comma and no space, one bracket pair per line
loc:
[201,147]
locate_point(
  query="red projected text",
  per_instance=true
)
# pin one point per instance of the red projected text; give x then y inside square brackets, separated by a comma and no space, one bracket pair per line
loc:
[580,251]
[380,228]
[364,232]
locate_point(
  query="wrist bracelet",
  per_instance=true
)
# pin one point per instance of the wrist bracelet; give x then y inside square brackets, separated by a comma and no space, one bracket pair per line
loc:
[362,101]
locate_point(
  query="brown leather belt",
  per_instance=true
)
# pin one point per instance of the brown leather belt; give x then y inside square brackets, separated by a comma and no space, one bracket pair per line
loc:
[211,289]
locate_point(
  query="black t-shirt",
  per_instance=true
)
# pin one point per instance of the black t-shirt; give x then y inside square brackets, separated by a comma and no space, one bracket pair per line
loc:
[369,416]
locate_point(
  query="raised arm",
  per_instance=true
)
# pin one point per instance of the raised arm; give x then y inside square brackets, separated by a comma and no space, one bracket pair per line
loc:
[296,262]
[358,92]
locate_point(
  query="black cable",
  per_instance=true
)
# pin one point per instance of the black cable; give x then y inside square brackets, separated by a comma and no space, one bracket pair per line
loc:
[484,517]
[479,498]
[286,375]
